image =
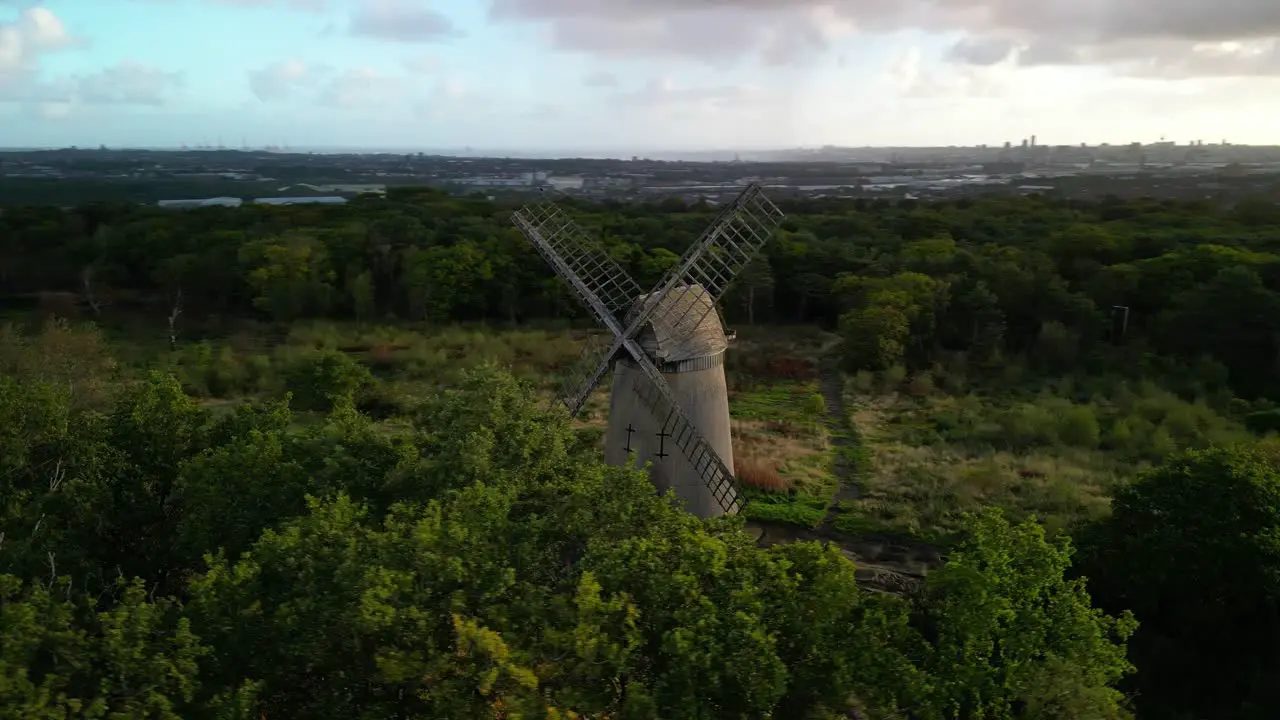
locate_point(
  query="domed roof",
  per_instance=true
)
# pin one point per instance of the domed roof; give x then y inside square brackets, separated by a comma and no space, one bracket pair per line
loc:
[670,335]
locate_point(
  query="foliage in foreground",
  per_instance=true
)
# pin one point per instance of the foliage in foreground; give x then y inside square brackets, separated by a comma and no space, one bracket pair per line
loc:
[1193,548]
[474,566]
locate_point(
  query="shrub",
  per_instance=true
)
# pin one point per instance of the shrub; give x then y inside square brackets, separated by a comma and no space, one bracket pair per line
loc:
[1079,428]
[864,382]
[323,379]
[893,377]
[815,406]
[920,386]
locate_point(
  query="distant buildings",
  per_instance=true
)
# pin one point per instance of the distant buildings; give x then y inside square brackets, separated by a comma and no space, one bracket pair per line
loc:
[359,189]
[236,202]
[203,202]
[321,200]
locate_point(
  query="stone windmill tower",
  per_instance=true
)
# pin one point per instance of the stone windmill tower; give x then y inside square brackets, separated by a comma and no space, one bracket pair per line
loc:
[670,402]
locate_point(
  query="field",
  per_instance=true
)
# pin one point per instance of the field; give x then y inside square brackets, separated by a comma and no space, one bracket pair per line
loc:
[868,458]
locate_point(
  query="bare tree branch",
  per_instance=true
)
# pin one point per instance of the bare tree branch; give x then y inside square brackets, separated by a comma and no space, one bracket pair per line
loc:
[173,319]
[59,473]
[86,279]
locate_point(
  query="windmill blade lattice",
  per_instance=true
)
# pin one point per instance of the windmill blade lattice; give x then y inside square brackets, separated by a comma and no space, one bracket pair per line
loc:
[656,396]
[586,372]
[714,261]
[588,259]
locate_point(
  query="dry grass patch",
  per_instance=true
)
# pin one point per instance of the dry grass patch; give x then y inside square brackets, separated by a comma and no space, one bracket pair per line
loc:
[800,456]
[760,474]
[921,489]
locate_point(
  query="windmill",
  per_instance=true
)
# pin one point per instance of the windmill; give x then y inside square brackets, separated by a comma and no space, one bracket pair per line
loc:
[670,403]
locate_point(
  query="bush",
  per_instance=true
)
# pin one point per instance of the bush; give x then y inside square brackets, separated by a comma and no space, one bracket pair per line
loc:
[893,377]
[864,382]
[920,386]
[1079,428]
[323,379]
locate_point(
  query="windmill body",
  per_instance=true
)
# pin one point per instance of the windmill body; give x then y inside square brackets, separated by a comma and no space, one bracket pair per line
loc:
[670,407]
[692,363]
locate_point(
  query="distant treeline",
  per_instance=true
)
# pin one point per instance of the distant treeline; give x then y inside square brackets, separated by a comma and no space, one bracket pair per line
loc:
[1176,284]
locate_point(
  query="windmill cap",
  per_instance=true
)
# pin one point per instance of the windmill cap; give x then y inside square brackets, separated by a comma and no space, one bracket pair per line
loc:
[670,335]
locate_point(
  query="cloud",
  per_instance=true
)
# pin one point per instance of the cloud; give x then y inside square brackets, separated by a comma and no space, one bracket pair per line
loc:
[1135,36]
[314,6]
[981,51]
[278,81]
[600,78]
[348,89]
[409,21]
[910,78]
[36,31]
[670,98]
[125,83]
[128,83]
[422,64]
[361,89]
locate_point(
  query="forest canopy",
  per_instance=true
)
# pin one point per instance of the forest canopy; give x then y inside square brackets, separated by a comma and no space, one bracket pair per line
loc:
[161,563]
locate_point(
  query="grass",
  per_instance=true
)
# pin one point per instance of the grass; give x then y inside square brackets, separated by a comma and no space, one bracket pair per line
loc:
[1047,451]
[782,454]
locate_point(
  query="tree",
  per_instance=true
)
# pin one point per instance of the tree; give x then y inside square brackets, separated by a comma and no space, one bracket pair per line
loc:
[290,275]
[444,282]
[1010,636]
[325,379]
[63,658]
[889,315]
[1191,548]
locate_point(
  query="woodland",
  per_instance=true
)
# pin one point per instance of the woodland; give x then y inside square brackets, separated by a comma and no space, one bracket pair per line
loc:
[298,462]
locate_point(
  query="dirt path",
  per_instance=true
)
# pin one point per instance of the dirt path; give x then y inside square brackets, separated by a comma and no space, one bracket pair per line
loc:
[839,428]
[882,564]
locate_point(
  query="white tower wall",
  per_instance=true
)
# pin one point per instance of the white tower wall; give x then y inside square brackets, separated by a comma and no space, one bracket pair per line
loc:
[704,397]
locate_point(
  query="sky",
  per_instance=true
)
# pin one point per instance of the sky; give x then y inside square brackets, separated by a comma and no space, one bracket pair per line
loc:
[636,74]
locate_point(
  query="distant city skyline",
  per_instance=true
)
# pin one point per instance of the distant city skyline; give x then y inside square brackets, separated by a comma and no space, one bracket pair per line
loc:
[659,76]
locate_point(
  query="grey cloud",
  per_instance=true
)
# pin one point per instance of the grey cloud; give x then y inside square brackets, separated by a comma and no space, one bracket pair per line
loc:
[1049,52]
[1171,60]
[401,21]
[980,51]
[780,31]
